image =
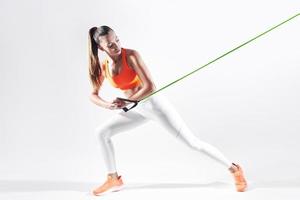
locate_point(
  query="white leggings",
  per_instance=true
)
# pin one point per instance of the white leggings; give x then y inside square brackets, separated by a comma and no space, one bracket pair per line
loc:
[158,109]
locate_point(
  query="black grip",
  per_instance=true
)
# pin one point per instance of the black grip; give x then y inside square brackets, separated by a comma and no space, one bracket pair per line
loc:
[132,101]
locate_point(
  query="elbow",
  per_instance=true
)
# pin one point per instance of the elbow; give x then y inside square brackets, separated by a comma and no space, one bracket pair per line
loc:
[91,98]
[92,95]
[151,88]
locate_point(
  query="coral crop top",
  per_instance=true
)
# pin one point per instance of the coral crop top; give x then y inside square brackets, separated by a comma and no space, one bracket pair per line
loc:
[126,79]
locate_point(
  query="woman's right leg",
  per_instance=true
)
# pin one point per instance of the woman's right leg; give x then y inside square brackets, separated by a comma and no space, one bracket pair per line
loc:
[118,123]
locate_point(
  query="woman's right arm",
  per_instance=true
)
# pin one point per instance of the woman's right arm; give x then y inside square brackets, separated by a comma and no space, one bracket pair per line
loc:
[96,99]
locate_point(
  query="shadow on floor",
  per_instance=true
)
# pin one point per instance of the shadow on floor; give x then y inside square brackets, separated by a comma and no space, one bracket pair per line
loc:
[31,186]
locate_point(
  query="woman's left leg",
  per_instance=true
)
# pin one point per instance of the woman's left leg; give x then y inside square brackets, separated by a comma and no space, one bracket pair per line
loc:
[164,113]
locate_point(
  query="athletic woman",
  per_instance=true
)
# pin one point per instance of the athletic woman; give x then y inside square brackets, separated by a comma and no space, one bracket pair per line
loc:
[125,70]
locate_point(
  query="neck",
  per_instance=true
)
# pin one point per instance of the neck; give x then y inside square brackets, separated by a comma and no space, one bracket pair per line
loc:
[115,58]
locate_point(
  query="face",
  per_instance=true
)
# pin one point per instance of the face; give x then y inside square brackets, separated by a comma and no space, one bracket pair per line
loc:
[110,43]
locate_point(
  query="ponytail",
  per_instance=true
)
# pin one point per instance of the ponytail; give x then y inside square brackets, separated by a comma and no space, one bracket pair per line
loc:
[94,64]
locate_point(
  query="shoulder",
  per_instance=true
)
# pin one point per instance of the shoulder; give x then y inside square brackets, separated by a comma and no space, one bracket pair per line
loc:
[133,56]
[131,52]
[103,63]
[103,66]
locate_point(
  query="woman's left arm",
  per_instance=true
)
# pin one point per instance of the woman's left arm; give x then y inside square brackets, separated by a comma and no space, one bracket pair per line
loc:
[142,71]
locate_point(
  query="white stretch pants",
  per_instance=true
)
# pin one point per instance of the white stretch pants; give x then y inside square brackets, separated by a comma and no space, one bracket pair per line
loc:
[158,109]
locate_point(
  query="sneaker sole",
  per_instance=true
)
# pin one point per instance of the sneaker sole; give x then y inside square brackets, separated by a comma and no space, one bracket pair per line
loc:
[112,189]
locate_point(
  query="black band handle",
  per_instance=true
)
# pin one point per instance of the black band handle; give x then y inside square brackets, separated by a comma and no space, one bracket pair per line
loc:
[132,101]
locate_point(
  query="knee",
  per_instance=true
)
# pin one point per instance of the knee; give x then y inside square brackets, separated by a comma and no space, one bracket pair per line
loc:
[103,132]
[195,146]
[193,142]
[199,145]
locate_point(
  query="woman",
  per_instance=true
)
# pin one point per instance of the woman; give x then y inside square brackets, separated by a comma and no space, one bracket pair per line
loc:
[125,69]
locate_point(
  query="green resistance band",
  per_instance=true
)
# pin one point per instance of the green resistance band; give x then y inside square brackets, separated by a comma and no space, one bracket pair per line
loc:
[135,102]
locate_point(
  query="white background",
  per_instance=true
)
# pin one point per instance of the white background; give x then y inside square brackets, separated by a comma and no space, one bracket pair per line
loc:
[246,104]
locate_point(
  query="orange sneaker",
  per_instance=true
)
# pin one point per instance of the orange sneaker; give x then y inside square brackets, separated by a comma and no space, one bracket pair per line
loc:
[110,185]
[240,181]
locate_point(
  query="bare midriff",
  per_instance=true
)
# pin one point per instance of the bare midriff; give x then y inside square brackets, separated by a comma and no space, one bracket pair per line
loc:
[131,91]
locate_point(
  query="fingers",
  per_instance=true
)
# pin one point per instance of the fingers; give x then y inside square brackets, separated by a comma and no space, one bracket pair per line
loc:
[118,104]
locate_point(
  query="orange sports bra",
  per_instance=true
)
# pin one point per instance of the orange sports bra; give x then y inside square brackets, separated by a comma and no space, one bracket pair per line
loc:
[126,79]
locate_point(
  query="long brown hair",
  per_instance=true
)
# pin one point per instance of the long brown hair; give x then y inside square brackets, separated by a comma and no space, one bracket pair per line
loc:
[94,63]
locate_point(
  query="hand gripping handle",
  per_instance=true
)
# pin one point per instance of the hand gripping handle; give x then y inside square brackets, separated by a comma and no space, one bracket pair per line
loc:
[132,101]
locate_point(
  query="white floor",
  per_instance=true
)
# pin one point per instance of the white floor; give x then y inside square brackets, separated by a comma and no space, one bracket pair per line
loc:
[44,190]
